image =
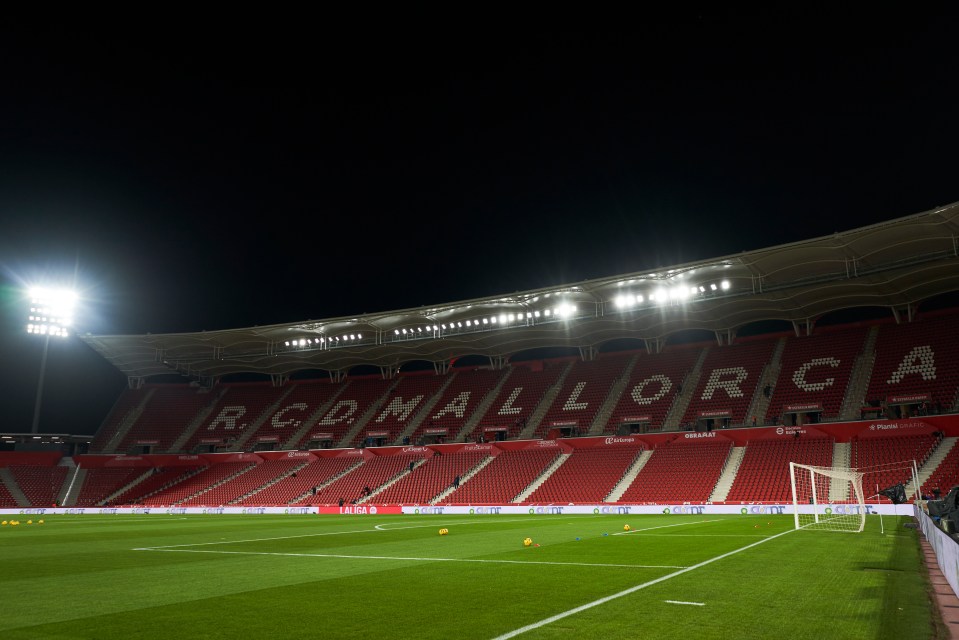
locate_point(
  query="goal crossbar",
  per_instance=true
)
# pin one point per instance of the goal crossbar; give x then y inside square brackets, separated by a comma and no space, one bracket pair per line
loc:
[827,498]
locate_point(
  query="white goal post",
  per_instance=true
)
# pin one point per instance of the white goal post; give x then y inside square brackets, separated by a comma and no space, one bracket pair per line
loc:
[827,498]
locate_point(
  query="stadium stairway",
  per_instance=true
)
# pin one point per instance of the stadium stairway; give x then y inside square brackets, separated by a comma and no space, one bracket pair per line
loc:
[11,484]
[728,475]
[544,404]
[859,379]
[759,406]
[71,490]
[463,480]
[935,459]
[126,423]
[313,418]
[629,476]
[198,420]
[386,485]
[251,429]
[684,397]
[612,400]
[424,411]
[350,438]
[534,485]
[841,456]
[483,407]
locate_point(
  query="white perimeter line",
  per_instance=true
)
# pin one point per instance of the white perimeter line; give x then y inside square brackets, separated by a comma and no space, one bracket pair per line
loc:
[478,560]
[595,603]
[695,604]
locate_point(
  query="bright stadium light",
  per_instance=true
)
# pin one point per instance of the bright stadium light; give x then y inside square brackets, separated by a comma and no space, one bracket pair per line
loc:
[51,312]
[725,285]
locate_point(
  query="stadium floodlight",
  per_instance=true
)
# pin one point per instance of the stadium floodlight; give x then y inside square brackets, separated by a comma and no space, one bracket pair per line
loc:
[713,287]
[725,285]
[51,313]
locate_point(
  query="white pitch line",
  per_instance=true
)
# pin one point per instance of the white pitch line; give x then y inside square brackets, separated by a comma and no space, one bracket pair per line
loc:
[695,604]
[665,526]
[375,529]
[626,592]
[415,559]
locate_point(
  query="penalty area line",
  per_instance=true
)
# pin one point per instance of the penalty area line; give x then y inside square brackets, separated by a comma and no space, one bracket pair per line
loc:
[695,604]
[626,592]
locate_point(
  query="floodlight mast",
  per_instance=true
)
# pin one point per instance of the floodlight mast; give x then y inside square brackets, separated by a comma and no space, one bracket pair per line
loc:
[51,312]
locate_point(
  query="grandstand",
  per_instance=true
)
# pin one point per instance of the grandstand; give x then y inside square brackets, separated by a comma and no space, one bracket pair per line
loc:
[636,388]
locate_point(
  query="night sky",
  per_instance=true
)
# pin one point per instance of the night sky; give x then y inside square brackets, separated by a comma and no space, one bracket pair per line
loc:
[213,175]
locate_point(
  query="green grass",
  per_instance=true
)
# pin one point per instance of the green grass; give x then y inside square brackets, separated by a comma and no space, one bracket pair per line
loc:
[395,577]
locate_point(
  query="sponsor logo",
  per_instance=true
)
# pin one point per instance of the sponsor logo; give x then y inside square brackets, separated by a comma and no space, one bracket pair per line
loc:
[616,440]
[478,447]
[485,510]
[611,510]
[40,512]
[414,449]
[687,509]
[704,434]
[539,511]
[358,510]
[176,511]
[188,457]
[140,510]
[111,511]
[885,426]
[429,510]
[213,510]
[546,443]
[297,510]
[256,511]
[298,454]
[767,509]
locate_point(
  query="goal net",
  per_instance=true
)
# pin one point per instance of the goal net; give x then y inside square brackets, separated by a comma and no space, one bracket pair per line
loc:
[827,498]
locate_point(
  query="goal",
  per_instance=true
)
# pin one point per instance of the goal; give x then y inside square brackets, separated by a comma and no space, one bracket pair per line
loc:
[827,498]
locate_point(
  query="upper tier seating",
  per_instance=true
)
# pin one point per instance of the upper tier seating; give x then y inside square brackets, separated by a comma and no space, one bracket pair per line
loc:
[519,397]
[730,376]
[402,405]
[236,411]
[169,412]
[815,370]
[583,392]
[458,402]
[920,357]
[653,384]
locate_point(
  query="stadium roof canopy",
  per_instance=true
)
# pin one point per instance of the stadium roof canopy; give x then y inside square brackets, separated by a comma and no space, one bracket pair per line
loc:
[896,264]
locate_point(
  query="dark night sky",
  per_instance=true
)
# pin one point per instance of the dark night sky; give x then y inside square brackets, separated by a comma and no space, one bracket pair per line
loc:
[224,175]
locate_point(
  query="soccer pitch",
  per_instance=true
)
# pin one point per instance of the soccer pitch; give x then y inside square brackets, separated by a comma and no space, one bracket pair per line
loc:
[222,576]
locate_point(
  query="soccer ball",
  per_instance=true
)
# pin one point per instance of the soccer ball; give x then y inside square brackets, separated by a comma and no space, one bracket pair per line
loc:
[443,532]
[527,542]
[625,527]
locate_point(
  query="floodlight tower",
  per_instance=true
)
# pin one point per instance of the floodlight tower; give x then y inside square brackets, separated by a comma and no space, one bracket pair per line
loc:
[51,313]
